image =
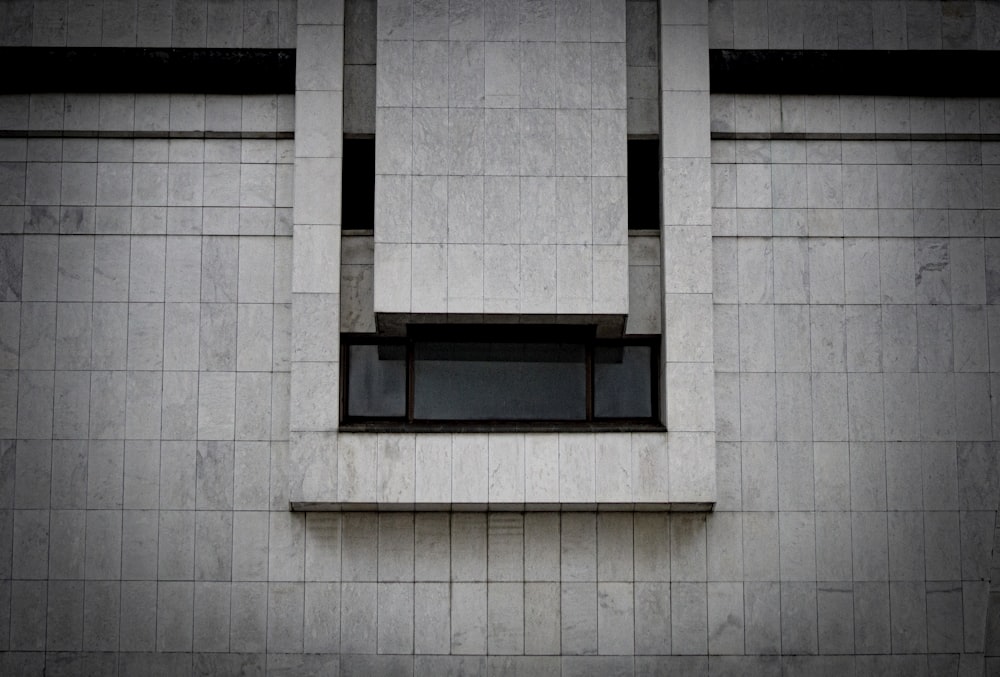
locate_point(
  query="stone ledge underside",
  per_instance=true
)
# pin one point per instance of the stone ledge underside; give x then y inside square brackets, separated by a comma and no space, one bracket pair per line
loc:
[319,506]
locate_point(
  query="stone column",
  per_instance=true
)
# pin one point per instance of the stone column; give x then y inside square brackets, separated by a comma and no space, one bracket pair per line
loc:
[315,396]
[688,378]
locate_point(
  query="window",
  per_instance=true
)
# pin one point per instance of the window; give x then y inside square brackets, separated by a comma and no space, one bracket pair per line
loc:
[499,374]
[643,184]
[358,196]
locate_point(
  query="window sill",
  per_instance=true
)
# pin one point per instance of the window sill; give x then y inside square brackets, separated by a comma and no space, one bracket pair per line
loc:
[389,469]
[503,427]
[319,506]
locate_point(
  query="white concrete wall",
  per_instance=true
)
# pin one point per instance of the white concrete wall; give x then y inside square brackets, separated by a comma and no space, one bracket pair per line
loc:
[854,363]
[500,159]
[319,115]
[687,397]
[145,320]
[148,23]
[854,24]
[148,357]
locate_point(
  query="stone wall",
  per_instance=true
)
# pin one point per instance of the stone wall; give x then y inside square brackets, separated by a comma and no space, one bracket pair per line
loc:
[828,266]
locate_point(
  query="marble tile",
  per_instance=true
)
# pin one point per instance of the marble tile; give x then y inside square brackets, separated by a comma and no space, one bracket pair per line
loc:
[285,616]
[689,618]
[505,618]
[213,545]
[652,618]
[107,411]
[468,618]
[250,467]
[432,631]
[762,610]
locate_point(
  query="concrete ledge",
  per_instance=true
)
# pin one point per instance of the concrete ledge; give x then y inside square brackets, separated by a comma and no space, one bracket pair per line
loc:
[502,471]
[319,506]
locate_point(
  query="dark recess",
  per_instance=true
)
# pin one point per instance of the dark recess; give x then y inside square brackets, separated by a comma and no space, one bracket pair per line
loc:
[643,184]
[358,197]
[261,71]
[882,72]
[132,69]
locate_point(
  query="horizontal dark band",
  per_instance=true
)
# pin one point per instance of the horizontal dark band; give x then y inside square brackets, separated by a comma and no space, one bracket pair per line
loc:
[137,134]
[869,72]
[262,71]
[834,136]
[131,69]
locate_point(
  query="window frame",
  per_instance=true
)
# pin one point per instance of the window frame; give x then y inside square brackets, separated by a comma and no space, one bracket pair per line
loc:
[575,334]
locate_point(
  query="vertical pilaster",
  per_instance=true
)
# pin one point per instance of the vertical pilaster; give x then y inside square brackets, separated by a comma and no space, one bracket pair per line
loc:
[688,370]
[319,92]
[501,161]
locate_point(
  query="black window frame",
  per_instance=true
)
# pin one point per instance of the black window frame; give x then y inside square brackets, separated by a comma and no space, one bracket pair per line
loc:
[574,334]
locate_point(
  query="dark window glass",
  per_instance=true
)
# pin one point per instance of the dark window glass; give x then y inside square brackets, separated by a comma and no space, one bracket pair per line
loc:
[622,381]
[643,183]
[504,373]
[376,381]
[358,199]
[499,381]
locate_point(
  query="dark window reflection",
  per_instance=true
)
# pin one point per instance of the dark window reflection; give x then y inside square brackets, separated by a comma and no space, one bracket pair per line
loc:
[643,183]
[499,381]
[622,386]
[358,196]
[377,381]
[512,374]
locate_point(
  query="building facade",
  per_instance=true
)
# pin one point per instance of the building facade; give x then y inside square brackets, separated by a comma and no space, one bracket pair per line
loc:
[520,337]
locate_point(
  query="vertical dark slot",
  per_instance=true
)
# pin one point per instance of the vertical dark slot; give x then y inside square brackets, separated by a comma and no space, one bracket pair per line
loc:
[643,184]
[358,206]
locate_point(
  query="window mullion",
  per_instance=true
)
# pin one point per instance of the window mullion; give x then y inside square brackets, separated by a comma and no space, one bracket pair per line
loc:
[409,380]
